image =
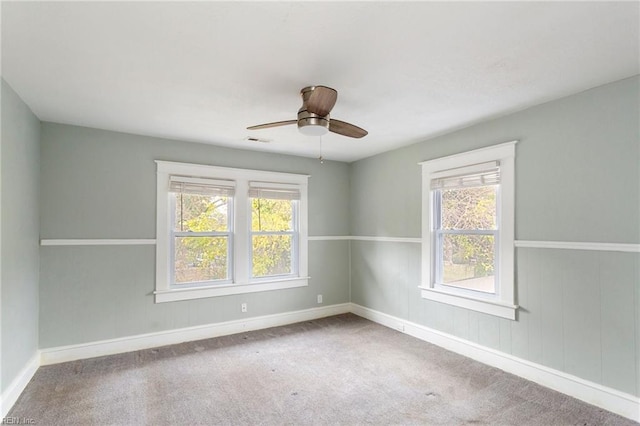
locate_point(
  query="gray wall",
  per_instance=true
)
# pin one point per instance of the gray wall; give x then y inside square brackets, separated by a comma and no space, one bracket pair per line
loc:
[19,234]
[577,179]
[101,184]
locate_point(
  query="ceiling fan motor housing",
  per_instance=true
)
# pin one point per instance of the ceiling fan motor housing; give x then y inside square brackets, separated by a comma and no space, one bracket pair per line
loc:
[312,124]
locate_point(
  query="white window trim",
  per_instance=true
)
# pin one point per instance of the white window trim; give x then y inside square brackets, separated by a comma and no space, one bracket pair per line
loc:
[503,303]
[241,268]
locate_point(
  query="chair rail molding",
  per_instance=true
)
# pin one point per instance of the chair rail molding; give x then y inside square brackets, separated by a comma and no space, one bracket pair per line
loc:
[98,242]
[566,245]
[573,245]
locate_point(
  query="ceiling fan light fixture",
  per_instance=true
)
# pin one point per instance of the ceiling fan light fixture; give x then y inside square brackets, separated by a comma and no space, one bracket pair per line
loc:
[312,126]
[313,130]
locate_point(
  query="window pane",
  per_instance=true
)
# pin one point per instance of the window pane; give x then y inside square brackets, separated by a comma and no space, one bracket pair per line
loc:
[271,215]
[201,213]
[200,259]
[469,208]
[468,261]
[272,255]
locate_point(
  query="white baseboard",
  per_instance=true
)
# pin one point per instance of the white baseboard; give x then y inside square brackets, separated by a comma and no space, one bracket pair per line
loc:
[16,387]
[601,396]
[170,337]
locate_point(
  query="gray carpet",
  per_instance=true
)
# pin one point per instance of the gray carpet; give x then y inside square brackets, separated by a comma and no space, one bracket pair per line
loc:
[338,370]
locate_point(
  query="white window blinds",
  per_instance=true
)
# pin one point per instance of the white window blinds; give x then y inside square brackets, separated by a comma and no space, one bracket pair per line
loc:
[467,177]
[273,191]
[199,186]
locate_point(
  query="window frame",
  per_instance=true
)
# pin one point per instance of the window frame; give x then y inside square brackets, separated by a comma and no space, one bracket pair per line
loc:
[177,234]
[440,233]
[294,232]
[502,303]
[241,281]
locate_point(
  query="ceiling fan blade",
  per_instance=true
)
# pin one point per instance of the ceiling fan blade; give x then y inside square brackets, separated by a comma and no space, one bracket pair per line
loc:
[346,129]
[321,100]
[274,124]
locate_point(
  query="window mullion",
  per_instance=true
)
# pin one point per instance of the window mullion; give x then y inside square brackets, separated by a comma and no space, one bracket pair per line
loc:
[295,225]
[172,241]
[202,234]
[468,231]
[437,235]
[272,232]
[242,235]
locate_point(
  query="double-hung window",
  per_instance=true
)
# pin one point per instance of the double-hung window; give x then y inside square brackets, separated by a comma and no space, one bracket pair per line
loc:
[201,230]
[274,229]
[468,230]
[465,227]
[223,231]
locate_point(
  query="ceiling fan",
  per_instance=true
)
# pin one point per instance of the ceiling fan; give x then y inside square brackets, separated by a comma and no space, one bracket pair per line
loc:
[313,115]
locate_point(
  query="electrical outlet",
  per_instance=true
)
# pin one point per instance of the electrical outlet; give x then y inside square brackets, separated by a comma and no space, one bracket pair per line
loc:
[244,307]
[319,298]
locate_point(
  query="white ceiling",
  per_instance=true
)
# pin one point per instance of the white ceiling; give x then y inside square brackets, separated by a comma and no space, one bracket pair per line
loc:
[204,71]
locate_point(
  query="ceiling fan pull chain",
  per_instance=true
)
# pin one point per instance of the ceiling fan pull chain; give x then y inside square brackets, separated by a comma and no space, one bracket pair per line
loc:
[320,158]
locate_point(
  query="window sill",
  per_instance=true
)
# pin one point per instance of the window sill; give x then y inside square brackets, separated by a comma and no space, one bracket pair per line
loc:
[188,293]
[491,307]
